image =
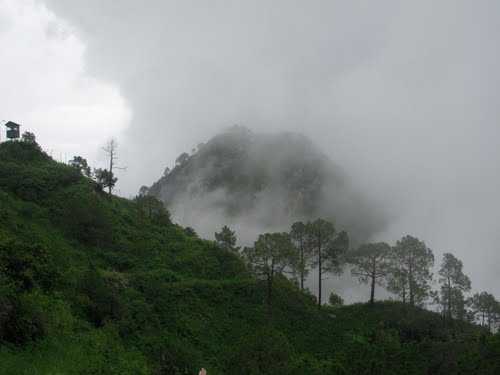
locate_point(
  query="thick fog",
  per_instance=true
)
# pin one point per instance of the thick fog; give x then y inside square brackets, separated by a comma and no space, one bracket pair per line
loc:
[403,95]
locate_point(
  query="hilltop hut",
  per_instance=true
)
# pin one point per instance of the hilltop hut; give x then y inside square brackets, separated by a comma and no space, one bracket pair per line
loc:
[13,131]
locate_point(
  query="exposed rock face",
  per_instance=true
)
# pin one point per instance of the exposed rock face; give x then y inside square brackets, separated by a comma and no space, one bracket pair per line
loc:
[258,182]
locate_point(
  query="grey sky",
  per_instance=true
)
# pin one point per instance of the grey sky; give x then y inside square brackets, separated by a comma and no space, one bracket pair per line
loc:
[404,95]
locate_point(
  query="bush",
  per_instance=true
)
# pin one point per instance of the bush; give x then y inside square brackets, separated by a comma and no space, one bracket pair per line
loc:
[27,266]
[80,213]
[101,298]
[33,183]
[33,316]
[335,300]
[264,352]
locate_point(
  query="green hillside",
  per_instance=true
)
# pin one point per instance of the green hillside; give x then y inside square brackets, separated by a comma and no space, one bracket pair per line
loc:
[95,284]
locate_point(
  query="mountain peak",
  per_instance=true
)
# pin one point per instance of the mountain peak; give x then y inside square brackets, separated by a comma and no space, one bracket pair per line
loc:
[260,180]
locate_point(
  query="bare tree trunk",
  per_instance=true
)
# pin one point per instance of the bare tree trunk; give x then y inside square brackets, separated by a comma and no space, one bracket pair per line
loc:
[111,159]
[411,286]
[110,149]
[270,279]
[449,299]
[372,293]
[269,295]
[373,276]
[302,265]
[320,271]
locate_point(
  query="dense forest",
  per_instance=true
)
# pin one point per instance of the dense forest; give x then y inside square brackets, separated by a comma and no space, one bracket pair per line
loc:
[91,283]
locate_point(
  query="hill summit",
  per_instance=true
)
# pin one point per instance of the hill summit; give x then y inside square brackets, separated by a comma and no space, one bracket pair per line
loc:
[260,180]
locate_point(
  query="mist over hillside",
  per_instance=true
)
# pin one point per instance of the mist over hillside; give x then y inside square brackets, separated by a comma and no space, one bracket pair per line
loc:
[259,182]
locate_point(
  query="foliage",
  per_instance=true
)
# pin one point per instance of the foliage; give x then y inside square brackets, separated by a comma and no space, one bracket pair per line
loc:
[453,284]
[270,256]
[328,247]
[265,352]
[303,245]
[226,239]
[105,178]
[181,159]
[411,274]
[151,208]
[371,263]
[335,299]
[29,138]
[95,284]
[485,309]
[81,165]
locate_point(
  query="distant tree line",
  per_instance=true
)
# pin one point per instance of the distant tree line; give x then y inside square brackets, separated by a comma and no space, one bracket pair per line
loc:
[405,269]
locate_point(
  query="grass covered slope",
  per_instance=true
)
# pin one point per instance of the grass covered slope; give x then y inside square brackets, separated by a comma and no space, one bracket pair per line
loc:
[93,284]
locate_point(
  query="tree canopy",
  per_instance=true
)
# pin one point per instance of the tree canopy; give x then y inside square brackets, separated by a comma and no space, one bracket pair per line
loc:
[81,165]
[226,239]
[300,236]
[328,247]
[371,264]
[271,255]
[411,270]
[454,283]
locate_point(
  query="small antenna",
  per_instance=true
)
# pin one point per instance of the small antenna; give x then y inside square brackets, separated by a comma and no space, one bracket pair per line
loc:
[2,121]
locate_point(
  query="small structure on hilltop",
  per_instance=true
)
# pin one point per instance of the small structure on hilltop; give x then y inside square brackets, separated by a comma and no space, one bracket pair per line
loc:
[13,131]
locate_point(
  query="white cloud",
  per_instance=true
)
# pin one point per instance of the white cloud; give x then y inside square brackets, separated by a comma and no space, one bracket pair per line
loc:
[44,85]
[404,95]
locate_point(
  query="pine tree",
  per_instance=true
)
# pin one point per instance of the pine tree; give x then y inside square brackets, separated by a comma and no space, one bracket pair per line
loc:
[371,264]
[272,255]
[328,247]
[411,265]
[299,236]
[454,283]
[226,239]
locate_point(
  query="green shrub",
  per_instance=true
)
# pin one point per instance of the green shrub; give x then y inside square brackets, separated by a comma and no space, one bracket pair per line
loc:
[29,265]
[264,352]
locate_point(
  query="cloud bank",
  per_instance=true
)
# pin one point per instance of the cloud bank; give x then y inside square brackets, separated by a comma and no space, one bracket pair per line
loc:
[402,95]
[45,87]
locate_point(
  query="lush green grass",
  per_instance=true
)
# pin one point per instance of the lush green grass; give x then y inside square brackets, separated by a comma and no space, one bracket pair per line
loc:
[92,284]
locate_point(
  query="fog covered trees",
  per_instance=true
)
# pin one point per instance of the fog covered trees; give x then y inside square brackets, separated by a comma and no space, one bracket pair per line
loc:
[271,255]
[485,309]
[404,269]
[226,239]
[143,190]
[411,270]
[312,245]
[327,246]
[335,300]
[181,159]
[454,283]
[371,264]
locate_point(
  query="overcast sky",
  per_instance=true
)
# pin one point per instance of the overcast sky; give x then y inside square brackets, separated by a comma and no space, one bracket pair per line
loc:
[404,95]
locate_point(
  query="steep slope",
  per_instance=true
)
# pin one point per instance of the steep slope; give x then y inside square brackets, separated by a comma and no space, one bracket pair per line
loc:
[258,181]
[93,284]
